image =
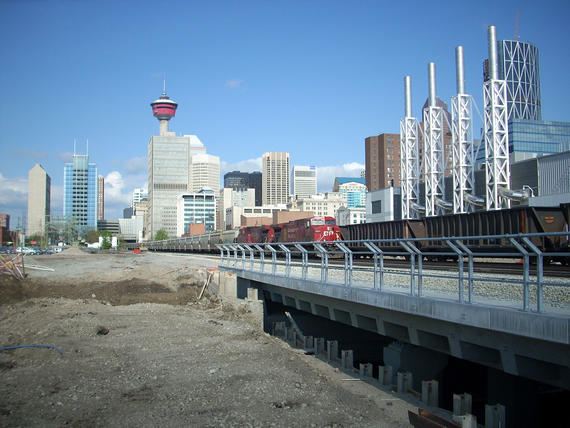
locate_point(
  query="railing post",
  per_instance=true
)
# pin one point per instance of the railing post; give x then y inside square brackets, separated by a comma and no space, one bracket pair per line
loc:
[539,272]
[460,265]
[221,248]
[287,259]
[377,252]
[242,249]
[305,260]
[261,257]
[412,267]
[235,250]
[347,263]
[324,262]
[524,252]
[273,258]
[470,263]
[251,256]
[420,267]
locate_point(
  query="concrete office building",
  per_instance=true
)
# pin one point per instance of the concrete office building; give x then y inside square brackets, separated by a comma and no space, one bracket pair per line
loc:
[234,198]
[275,178]
[195,208]
[169,158]
[382,161]
[245,180]
[39,195]
[345,216]
[204,172]
[235,214]
[100,198]
[384,205]
[320,204]
[80,193]
[304,180]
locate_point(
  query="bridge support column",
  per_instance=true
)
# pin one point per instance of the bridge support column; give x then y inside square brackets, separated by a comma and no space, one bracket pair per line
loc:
[385,375]
[423,363]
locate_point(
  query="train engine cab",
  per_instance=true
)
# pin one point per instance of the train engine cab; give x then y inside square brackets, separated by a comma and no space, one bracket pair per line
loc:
[256,234]
[323,229]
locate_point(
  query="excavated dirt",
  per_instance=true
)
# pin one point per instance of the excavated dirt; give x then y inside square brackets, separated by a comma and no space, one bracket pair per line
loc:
[140,349]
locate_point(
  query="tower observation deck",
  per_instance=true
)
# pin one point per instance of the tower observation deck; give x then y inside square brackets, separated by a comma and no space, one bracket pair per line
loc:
[164,109]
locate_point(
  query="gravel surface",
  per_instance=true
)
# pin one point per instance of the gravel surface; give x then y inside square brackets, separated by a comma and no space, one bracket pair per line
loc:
[139,349]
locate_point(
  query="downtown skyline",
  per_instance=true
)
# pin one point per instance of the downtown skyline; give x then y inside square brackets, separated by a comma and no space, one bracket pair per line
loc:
[312,79]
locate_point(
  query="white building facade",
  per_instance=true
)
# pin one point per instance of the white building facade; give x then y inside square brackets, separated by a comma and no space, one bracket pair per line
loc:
[321,204]
[169,159]
[345,216]
[275,178]
[39,196]
[204,172]
[234,198]
[304,181]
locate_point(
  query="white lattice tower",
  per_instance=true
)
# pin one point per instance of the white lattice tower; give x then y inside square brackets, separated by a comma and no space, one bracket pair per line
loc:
[409,159]
[434,161]
[497,166]
[462,142]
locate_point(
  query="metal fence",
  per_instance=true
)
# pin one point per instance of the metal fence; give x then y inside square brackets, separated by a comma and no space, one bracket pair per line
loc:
[518,271]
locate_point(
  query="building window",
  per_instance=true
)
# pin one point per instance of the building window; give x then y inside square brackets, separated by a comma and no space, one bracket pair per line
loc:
[376,207]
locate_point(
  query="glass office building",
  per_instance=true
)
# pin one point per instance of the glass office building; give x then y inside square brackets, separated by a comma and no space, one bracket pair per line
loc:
[80,193]
[518,66]
[531,138]
[196,208]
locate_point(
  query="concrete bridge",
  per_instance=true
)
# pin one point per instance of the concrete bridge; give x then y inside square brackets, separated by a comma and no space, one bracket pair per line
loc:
[517,324]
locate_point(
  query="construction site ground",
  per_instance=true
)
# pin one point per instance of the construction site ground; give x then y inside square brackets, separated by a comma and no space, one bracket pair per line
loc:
[140,349]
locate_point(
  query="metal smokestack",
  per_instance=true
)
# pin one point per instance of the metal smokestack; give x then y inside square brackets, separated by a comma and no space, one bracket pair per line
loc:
[493,69]
[431,82]
[460,70]
[408,96]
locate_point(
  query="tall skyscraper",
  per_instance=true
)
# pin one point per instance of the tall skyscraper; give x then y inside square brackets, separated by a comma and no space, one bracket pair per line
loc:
[169,159]
[304,181]
[275,178]
[80,193]
[518,66]
[39,194]
[204,172]
[100,198]
[382,161]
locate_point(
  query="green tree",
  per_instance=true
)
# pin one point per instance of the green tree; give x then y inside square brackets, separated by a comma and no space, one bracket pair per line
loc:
[161,235]
[92,236]
[106,244]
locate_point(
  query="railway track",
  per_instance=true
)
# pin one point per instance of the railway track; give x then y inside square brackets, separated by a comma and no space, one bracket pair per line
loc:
[496,267]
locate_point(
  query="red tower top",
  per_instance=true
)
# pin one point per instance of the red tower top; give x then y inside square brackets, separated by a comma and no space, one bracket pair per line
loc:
[164,108]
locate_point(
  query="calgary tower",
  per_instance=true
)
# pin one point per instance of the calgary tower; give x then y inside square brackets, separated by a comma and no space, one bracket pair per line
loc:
[164,109]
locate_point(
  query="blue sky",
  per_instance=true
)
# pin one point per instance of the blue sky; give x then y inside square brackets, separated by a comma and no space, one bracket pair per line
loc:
[313,78]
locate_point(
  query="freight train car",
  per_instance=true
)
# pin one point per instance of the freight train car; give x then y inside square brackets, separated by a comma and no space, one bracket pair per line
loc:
[318,229]
[521,219]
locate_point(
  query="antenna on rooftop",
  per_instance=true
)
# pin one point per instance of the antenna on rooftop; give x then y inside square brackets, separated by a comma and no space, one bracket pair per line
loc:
[74,142]
[87,147]
[164,85]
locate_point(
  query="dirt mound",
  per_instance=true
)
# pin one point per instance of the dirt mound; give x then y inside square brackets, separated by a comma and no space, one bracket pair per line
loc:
[124,292]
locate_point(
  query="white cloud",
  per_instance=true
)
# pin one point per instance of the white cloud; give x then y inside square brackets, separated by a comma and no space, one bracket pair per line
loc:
[327,174]
[13,197]
[248,165]
[136,165]
[65,156]
[234,83]
[119,191]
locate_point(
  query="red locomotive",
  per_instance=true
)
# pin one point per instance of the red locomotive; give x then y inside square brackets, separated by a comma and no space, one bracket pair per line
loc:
[319,229]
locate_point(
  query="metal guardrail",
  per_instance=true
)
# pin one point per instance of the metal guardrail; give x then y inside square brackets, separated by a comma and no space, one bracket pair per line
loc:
[529,290]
